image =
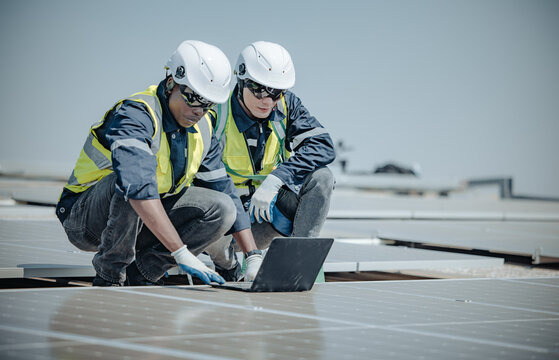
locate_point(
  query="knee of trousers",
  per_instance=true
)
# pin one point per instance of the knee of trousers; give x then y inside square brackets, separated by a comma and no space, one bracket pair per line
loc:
[322,181]
[226,210]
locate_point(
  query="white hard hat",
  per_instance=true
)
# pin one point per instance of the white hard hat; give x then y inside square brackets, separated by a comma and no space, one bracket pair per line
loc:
[202,67]
[266,63]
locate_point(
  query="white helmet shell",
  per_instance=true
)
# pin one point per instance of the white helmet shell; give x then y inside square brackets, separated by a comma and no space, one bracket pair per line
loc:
[202,67]
[266,63]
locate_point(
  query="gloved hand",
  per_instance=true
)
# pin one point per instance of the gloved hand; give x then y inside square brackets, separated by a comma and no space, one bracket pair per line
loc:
[193,266]
[253,263]
[264,198]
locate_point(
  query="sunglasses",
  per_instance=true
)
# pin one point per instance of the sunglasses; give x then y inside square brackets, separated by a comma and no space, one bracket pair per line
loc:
[194,100]
[261,91]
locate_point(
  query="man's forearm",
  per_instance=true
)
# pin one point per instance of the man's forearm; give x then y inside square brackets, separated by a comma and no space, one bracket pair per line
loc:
[156,219]
[245,240]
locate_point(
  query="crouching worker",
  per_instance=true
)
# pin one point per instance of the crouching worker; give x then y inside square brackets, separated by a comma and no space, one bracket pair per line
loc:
[275,151]
[128,198]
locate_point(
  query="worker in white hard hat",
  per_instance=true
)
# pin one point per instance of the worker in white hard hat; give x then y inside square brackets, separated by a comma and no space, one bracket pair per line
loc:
[276,153]
[129,197]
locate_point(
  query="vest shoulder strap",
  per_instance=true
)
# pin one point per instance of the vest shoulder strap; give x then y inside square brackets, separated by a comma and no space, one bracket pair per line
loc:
[205,128]
[222,113]
[155,107]
[279,127]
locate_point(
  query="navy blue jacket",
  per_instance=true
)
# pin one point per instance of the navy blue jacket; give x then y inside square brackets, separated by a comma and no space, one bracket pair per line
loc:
[132,120]
[312,153]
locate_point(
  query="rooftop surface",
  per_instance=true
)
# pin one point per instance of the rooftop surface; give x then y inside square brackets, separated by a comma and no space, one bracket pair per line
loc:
[474,307]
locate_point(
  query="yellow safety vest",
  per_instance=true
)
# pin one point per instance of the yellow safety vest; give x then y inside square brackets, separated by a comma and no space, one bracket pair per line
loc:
[236,155]
[94,162]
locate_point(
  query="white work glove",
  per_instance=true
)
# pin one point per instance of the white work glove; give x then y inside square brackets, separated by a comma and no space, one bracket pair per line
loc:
[193,266]
[253,263]
[264,198]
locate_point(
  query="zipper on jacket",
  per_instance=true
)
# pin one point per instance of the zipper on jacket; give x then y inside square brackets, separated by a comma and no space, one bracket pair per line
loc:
[173,185]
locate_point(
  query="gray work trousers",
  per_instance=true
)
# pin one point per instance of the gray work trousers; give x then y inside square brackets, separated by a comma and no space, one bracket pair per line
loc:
[103,221]
[307,210]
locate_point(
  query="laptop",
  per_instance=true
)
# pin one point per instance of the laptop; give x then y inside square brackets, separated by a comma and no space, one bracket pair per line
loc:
[290,264]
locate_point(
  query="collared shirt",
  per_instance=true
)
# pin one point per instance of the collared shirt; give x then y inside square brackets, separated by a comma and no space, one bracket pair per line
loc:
[136,169]
[308,155]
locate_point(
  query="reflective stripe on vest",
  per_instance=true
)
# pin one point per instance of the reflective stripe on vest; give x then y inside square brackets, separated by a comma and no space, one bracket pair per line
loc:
[94,162]
[236,155]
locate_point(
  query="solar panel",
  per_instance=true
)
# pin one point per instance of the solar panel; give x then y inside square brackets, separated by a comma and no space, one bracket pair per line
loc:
[362,255]
[536,239]
[438,319]
[354,204]
[29,190]
[40,248]
[14,212]
[43,195]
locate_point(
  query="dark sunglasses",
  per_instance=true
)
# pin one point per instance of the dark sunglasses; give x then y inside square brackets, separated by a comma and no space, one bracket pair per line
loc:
[194,100]
[261,91]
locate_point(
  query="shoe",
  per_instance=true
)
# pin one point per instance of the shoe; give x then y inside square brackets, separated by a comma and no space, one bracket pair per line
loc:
[135,278]
[234,274]
[99,281]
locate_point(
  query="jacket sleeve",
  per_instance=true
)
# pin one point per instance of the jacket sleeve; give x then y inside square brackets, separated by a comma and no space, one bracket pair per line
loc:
[128,134]
[212,175]
[308,141]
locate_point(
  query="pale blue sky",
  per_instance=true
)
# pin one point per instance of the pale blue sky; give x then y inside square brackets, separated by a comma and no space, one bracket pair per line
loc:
[464,88]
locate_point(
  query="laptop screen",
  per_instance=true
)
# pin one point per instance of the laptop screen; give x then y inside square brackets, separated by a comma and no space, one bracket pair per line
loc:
[292,264]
